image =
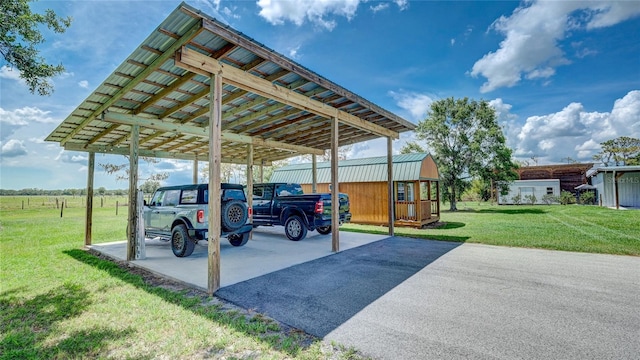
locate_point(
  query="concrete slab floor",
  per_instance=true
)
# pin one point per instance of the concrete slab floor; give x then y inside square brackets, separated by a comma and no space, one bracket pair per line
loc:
[268,251]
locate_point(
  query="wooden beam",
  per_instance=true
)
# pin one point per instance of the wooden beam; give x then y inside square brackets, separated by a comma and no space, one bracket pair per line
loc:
[155,64]
[195,170]
[89,211]
[391,207]
[158,124]
[257,85]
[133,194]
[164,92]
[215,140]
[250,185]
[314,174]
[335,188]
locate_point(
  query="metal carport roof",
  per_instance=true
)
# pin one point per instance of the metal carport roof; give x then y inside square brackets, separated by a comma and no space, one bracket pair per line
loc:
[171,104]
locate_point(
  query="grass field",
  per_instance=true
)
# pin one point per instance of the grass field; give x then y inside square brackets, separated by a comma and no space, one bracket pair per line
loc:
[557,227]
[58,301]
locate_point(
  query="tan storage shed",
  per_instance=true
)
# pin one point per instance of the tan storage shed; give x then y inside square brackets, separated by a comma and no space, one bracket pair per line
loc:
[415,184]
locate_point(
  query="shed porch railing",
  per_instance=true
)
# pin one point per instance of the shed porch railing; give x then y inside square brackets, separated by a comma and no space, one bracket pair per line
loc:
[407,210]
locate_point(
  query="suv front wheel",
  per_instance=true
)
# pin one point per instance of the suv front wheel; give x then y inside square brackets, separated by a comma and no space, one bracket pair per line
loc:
[181,243]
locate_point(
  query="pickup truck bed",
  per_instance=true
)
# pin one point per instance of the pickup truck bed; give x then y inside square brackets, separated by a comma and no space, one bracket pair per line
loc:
[284,204]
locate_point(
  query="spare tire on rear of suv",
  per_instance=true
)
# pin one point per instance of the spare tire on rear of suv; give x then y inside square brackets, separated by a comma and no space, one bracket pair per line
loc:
[234,215]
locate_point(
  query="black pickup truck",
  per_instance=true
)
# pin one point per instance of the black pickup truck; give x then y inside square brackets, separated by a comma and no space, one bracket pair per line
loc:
[286,204]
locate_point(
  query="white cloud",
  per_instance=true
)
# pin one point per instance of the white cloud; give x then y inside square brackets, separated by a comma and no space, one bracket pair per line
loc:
[379,7]
[277,12]
[532,34]
[72,157]
[7,72]
[571,132]
[13,148]
[10,121]
[415,104]
[293,52]
[402,4]
[84,84]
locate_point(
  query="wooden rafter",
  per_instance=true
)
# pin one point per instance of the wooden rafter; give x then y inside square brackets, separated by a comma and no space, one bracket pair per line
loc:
[196,62]
[158,124]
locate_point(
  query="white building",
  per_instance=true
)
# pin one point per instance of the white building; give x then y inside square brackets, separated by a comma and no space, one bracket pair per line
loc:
[524,188]
[617,186]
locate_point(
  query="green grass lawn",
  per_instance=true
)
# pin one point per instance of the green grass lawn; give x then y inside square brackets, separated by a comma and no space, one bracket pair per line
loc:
[569,228]
[58,301]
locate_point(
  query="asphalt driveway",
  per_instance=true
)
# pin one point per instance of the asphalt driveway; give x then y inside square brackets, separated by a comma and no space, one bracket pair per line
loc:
[414,299]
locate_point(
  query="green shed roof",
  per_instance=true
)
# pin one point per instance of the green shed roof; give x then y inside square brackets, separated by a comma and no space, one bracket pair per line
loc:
[406,167]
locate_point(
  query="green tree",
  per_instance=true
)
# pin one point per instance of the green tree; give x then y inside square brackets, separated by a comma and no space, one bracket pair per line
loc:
[411,148]
[19,36]
[121,171]
[623,150]
[150,186]
[467,142]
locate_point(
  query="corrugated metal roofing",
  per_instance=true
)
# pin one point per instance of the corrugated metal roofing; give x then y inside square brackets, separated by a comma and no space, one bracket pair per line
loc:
[149,85]
[406,167]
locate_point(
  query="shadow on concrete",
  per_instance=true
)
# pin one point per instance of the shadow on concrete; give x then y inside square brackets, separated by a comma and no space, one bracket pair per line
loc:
[320,295]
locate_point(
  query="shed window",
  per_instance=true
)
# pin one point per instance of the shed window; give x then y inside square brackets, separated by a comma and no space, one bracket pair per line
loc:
[549,191]
[405,191]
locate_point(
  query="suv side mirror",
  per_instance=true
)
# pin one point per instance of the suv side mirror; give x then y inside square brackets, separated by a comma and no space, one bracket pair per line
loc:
[144,202]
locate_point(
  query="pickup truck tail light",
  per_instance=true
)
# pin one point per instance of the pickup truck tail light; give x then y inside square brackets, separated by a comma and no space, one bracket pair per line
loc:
[200,216]
[319,207]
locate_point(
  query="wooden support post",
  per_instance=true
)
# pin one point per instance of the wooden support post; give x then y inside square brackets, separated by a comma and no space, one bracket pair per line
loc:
[133,193]
[262,171]
[438,197]
[250,184]
[314,174]
[418,202]
[141,251]
[195,171]
[391,204]
[335,189]
[89,211]
[615,186]
[215,150]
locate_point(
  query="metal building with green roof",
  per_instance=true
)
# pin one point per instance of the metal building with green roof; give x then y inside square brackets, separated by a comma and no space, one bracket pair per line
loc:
[415,184]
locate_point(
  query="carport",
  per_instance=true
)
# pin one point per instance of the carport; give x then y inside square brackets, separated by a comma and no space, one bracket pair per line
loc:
[198,90]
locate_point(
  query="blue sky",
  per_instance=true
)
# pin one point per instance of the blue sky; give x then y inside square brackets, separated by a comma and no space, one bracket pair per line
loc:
[563,76]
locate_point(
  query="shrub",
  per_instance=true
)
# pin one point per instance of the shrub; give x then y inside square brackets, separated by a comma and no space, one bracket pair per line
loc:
[550,199]
[531,199]
[587,197]
[567,198]
[517,199]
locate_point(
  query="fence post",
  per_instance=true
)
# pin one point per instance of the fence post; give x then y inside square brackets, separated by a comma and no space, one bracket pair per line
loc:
[22,204]
[116,207]
[61,208]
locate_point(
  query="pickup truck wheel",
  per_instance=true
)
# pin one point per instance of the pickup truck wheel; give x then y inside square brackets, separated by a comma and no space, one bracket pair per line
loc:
[181,243]
[234,215]
[238,239]
[295,229]
[324,230]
